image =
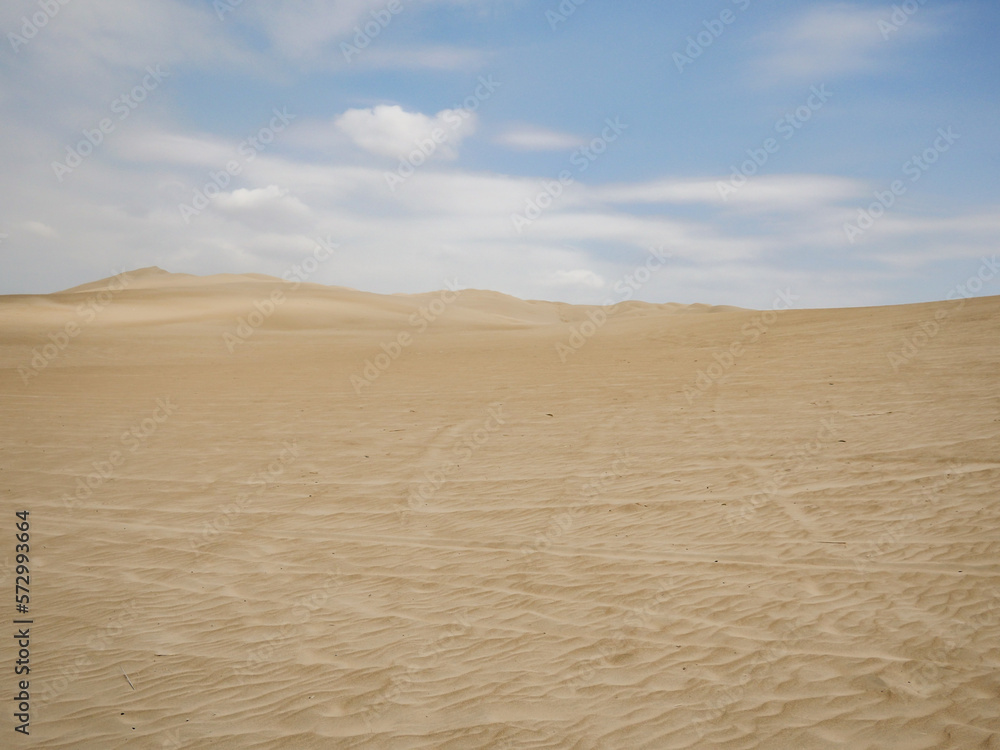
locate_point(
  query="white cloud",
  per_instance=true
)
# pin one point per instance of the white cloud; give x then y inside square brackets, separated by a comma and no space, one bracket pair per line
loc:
[794,192]
[767,193]
[268,208]
[172,148]
[454,223]
[695,241]
[828,40]
[660,191]
[389,130]
[91,55]
[121,206]
[532,138]
[580,277]
[39,229]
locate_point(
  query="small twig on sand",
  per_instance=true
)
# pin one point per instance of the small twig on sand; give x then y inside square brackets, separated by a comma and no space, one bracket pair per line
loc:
[126,677]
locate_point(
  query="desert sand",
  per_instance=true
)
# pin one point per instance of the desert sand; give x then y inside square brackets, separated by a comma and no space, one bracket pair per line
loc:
[462,520]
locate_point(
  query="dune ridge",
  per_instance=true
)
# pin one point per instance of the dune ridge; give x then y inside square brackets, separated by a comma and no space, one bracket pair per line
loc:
[154,296]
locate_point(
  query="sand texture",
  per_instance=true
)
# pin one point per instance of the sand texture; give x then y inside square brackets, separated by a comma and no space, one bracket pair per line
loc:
[498,523]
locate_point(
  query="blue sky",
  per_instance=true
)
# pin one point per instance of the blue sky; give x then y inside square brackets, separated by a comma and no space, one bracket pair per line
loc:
[507,144]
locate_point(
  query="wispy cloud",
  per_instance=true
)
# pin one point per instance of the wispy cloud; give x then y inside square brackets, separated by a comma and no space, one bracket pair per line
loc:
[312,32]
[534,138]
[768,193]
[579,277]
[451,221]
[429,57]
[119,36]
[306,29]
[826,41]
[39,229]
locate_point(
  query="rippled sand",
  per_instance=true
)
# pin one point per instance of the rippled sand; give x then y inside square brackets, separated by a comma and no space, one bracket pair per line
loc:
[493,532]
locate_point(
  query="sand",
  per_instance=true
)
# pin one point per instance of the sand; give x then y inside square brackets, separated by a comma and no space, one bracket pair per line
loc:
[498,523]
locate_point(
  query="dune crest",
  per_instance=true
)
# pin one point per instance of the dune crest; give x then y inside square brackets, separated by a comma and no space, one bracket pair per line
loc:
[152,295]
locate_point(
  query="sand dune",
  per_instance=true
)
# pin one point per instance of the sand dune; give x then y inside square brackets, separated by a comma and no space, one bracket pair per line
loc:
[346,520]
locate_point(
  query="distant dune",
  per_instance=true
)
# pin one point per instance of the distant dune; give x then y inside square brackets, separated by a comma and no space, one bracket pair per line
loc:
[154,296]
[314,517]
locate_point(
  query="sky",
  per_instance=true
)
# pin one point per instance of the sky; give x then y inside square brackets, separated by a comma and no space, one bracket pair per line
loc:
[586,151]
